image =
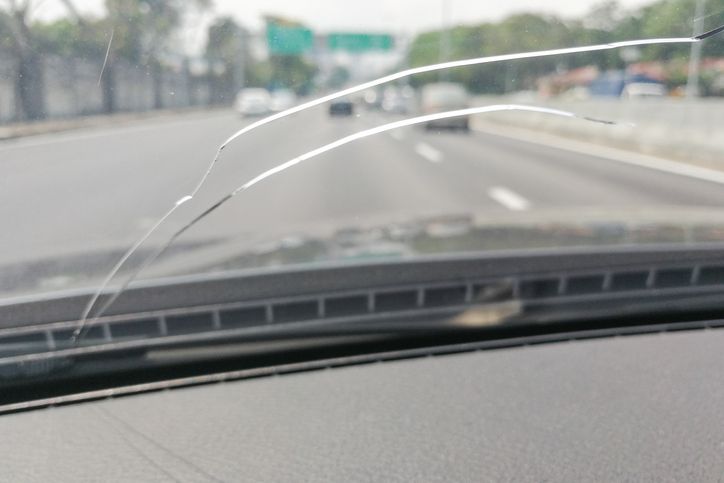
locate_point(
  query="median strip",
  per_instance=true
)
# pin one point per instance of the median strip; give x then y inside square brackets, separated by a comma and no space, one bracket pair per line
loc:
[608,153]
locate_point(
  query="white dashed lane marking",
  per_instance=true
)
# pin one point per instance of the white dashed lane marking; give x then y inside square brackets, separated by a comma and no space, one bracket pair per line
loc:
[511,200]
[428,152]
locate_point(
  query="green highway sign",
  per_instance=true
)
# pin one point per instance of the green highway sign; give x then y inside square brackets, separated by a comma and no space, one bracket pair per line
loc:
[360,42]
[288,40]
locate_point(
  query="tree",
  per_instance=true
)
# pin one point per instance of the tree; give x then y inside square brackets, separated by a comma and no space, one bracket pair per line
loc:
[606,15]
[675,18]
[143,31]
[67,37]
[29,79]
[137,31]
[30,41]
[516,33]
[292,72]
[227,46]
[86,38]
[607,22]
[288,70]
[338,77]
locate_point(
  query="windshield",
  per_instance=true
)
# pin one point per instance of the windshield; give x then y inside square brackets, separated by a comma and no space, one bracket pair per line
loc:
[144,139]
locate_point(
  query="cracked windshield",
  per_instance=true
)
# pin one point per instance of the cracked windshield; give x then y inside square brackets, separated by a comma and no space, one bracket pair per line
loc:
[145,139]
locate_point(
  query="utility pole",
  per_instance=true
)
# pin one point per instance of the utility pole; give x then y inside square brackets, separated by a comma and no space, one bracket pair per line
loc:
[692,82]
[240,64]
[445,37]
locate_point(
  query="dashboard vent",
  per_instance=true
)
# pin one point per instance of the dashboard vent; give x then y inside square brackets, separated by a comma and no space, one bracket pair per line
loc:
[627,281]
[587,284]
[678,277]
[445,296]
[711,275]
[394,301]
[540,288]
[347,306]
[440,297]
[243,317]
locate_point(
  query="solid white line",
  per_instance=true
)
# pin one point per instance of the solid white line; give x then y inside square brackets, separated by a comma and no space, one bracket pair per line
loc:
[605,152]
[428,152]
[511,200]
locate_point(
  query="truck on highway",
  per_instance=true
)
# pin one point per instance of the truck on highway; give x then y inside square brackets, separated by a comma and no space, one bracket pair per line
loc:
[441,97]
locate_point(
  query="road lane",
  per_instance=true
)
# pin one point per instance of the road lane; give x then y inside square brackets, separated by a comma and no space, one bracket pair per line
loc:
[101,188]
[550,176]
[428,152]
[85,192]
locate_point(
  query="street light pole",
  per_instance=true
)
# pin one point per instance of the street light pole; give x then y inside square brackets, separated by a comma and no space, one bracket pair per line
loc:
[240,74]
[692,82]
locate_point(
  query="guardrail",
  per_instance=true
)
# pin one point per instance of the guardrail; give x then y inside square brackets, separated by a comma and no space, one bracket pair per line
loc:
[681,129]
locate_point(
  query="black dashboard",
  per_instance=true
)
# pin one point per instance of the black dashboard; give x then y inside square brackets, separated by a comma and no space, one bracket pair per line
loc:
[642,408]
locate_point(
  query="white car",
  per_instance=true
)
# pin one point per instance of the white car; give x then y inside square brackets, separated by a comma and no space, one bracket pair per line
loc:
[643,90]
[253,102]
[282,100]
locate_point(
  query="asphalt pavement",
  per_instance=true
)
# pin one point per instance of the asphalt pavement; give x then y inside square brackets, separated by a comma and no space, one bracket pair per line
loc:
[88,195]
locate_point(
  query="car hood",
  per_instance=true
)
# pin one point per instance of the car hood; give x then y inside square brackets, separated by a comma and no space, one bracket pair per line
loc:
[465,233]
[377,240]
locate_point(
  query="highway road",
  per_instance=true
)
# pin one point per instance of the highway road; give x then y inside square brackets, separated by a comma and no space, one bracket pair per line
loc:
[83,197]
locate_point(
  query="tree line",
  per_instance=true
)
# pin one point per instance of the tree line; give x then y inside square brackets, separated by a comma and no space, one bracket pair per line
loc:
[143,33]
[607,22]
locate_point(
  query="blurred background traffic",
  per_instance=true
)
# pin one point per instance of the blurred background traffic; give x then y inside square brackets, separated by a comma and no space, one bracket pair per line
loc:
[60,59]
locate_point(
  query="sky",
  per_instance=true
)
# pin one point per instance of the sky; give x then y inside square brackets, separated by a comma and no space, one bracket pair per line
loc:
[402,15]
[393,16]
[401,18]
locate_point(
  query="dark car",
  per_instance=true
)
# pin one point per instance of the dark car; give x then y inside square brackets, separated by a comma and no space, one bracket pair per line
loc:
[341,107]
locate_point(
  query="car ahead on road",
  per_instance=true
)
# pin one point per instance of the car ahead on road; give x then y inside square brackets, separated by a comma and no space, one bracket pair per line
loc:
[441,97]
[398,100]
[252,101]
[341,107]
[282,99]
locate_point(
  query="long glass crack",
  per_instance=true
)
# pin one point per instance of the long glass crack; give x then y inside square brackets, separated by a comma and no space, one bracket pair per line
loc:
[312,154]
[84,319]
[105,58]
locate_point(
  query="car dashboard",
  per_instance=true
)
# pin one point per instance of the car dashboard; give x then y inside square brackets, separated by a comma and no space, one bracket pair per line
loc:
[642,407]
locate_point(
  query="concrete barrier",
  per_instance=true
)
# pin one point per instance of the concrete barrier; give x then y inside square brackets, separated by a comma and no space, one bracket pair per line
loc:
[679,129]
[71,88]
[21,130]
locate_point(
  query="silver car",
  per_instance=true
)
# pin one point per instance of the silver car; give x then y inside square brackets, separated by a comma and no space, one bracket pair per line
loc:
[441,97]
[253,102]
